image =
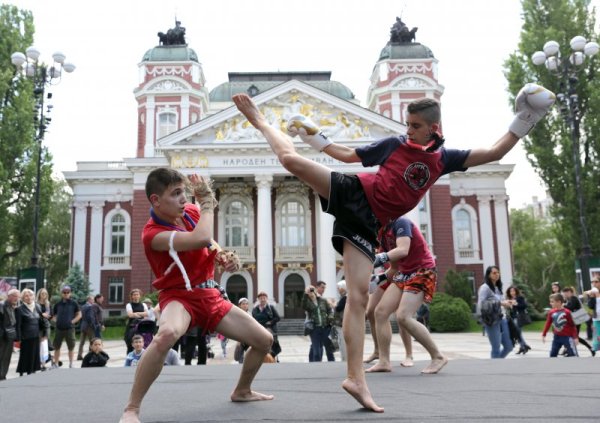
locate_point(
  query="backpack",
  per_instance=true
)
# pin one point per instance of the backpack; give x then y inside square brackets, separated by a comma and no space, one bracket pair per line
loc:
[88,314]
[491,311]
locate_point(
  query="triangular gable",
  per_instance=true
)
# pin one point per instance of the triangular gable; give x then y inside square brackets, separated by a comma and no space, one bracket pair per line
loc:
[343,121]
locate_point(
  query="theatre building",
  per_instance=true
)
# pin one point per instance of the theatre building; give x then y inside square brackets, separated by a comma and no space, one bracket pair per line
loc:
[270,218]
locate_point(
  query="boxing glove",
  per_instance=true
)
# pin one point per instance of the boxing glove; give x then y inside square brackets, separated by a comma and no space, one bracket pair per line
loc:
[309,132]
[531,104]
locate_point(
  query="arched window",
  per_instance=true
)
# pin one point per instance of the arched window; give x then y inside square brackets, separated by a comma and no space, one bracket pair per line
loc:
[462,224]
[237,218]
[167,123]
[117,235]
[465,233]
[292,224]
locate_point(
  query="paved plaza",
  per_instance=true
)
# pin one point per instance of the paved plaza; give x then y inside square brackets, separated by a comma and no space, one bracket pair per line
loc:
[471,388]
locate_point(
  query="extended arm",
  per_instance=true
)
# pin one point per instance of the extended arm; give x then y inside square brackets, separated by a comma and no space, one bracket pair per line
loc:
[342,153]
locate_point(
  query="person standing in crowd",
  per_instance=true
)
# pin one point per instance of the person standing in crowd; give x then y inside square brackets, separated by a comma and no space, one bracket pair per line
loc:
[86,327]
[136,311]
[43,300]
[573,304]
[8,329]
[563,327]
[321,313]
[152,314]
[195,337]
[96,357]
[267,315]
[240,348]
[520,308]
[338,317]
[29,320]
[496,327]
[593,296]
[98,316]
[413,278]
[408,166]
[66,314]
[555,288]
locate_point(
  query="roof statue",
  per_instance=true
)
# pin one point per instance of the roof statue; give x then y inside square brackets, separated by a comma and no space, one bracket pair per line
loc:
[173,37]
[399,33]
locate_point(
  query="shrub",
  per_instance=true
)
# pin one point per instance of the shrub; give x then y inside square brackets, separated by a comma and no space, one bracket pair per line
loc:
[458,285]
[448,314]
[115,321]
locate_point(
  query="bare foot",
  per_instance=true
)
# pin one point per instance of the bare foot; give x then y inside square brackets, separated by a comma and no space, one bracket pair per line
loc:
[379,368]
[250,396]
[372,357]
[130,416]
[407,362]
[435,366]
[360,392]
[248,108]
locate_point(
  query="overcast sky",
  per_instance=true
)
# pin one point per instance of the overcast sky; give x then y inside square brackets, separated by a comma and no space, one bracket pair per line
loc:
[94,115]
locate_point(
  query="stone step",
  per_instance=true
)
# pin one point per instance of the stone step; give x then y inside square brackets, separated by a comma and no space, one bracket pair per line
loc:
[296,327]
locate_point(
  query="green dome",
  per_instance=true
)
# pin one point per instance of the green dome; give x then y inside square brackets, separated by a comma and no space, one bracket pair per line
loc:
[173,53]
[405,51]
[226,90]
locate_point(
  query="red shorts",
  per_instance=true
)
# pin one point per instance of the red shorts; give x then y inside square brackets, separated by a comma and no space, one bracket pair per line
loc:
[204,305]
[423,280]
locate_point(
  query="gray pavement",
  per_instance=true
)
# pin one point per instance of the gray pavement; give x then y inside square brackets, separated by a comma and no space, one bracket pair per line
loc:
[471,388]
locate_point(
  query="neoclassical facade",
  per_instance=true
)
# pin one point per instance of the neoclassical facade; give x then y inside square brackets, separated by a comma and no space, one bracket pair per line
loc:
[271,219]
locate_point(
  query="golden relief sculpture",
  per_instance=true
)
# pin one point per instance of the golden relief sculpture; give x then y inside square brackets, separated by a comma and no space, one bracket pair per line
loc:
[188,160]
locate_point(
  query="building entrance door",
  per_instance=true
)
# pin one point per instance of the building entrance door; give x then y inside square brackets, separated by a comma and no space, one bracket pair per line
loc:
[293,288]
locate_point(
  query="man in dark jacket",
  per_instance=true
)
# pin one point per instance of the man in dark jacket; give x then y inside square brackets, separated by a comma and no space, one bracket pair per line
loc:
[8,329]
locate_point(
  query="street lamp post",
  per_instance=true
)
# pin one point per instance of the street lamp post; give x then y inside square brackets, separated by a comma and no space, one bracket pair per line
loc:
[567,70]
[41,75]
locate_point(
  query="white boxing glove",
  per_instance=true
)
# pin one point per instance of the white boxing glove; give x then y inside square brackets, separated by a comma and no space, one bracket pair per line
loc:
[309,132]
[531,104]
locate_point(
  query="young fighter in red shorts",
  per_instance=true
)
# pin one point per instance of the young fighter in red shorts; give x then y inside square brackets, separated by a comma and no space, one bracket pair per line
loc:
[413,278]
[177,241]
[361,204]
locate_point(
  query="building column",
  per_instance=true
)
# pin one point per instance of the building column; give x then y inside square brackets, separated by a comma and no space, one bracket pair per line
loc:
[185,111]
[150,126]
[96,232]
[79,232]
[264,235]
[326,269]
[486,231]
[396,107]
[502,237]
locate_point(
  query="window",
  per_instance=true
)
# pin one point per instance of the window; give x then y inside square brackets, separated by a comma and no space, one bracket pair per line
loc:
[292,224]
[118,232]
[116,286]
[462,224]
[237,220]
[167,123]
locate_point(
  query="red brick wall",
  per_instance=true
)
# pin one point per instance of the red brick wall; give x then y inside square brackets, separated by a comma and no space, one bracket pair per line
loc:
[141,274]
[441,228]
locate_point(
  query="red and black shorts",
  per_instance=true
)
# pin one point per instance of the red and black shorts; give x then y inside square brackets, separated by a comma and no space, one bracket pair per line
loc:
[423,280]
[354,219]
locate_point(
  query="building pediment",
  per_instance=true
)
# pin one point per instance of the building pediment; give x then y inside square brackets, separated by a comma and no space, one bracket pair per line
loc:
[341,120]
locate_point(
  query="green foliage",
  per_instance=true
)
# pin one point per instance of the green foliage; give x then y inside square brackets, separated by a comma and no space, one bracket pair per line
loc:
[115,321]
[539,259]
[449,314]
[458,285]
[19,152]
[79,283]
[549,146]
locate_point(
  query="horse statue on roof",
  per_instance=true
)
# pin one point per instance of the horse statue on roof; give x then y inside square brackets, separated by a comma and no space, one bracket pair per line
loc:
[174,36]
[399,33]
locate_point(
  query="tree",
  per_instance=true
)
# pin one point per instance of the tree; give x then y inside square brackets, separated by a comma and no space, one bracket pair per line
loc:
[549,145]
[18,146]
[539,258]
[79,283]
[457,285]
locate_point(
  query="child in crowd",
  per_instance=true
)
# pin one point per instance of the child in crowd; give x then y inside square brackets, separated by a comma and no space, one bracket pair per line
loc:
[563,327]
[96,357]
[138,349]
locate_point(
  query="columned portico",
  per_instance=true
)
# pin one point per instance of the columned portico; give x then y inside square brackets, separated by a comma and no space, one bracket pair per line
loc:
[486,231]
[79,232]
[96,245]
[264,239]
[326,269]
[502,235]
